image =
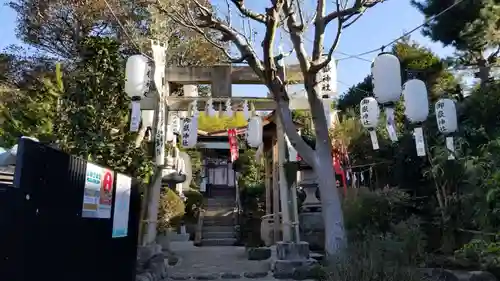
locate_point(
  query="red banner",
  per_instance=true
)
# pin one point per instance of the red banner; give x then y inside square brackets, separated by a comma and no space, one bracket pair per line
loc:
[233,144]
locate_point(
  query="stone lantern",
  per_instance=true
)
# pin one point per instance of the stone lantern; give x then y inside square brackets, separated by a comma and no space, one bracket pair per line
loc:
[312,228]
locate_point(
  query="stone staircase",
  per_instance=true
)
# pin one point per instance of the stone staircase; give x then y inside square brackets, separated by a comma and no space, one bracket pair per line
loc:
[218,222]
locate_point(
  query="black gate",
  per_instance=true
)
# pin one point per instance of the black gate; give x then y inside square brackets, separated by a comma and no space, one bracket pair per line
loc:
[43,235]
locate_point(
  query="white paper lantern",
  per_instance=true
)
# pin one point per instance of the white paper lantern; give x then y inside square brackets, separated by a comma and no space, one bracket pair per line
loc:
[137,79]
[415,100]
[370,114]
[210,108]
[189,132]
[246,111]
[229,109]
[137,76]
[147,122]
[147,118]
[176,122]
[170,136]
[298,100]
[386,78]
[328,79]
[446,118]
[416,109]
[254,132]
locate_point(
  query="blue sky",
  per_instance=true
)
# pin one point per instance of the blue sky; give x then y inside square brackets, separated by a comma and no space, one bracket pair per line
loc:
[377,27]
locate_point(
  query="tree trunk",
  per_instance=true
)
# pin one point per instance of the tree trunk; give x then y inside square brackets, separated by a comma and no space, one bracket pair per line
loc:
[331,207]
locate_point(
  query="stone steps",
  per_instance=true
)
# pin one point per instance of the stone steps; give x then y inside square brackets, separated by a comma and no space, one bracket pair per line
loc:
[218,221]
[218,235]
[217,212]
[218,241]
[227,276]
[220,203]
[228,228]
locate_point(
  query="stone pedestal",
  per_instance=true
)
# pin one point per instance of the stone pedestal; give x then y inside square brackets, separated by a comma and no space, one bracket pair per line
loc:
[292,259]
[150,263]
[308,182]
[292,251]
[312,230]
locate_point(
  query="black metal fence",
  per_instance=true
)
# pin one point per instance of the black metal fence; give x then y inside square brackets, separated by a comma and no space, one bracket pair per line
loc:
[44,233]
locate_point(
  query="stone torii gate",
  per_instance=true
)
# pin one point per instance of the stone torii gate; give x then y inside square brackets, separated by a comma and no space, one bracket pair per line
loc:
[221,78]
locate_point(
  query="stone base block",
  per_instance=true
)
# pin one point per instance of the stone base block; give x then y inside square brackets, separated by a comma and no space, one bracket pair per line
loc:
[151,264]
[258,254]
[291,269]
[292,251]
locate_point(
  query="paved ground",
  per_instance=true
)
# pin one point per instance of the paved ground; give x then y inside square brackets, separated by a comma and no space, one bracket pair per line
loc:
[226,262]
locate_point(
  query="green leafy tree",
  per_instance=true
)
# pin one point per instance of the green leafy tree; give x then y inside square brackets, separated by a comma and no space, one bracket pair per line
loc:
[93,121]
[28,105]
[59,27]
[472,27]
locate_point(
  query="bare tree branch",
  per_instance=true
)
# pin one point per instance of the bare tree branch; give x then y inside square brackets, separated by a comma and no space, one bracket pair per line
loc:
[318,66]
[358,16]
[296,37]
[273,17]
[305,151]
[206,19]
[240,4]
[356,8]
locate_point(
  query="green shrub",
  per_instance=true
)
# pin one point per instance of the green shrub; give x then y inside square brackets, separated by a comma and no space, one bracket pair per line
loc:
[376,258]
[368,211]
[171,210]
[482,254]
[252,199]
[193,203]
[385,215]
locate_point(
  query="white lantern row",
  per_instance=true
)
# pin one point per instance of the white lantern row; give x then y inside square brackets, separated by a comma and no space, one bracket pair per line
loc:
[386,79]
[228,112]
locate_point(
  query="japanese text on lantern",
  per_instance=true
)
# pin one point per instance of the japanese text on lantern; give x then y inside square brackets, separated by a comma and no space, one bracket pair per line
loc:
[364,111]
[326,78]
[440,116]
[185,131]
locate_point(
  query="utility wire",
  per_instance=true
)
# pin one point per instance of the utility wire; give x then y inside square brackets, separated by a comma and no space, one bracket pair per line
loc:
[407,33]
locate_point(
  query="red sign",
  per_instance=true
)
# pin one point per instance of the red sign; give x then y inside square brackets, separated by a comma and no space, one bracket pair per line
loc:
[233,144]
[107,181]
[106,194]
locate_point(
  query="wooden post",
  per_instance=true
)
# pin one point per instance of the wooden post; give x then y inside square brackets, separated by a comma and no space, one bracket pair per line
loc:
[276,192]
[268,183]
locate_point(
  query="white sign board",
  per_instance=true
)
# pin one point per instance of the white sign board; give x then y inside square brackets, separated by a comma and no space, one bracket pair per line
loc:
[98,192]
[122,206]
